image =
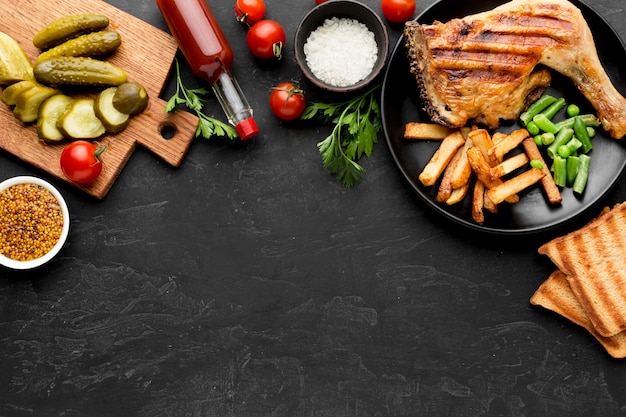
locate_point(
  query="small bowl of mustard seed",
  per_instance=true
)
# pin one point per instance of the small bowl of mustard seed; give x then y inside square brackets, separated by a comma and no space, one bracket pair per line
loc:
[34,222]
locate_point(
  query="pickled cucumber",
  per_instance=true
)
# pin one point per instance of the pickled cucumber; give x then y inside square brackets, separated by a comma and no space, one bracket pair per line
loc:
[79,121]
[83,71]
[12,92]
[27,103]
[92,45]
[68,27]
[49,113]
[113,120]
[14,64]
[130,98]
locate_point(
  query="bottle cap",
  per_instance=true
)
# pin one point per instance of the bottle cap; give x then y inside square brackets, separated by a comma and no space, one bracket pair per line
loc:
[247,128]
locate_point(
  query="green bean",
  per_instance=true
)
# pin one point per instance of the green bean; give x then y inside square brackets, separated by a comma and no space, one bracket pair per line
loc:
[572,169]
[538,140]
[554,108]
[560,171]
[572,110]
[562,137]
[545,124]
[580,130]
[589,119]
[532,128]
[591,131]
[583,174]
[547,138]
[537,107]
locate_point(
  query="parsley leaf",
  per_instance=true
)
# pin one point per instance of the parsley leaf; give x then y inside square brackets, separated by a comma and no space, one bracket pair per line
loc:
[193,100]
[357,123]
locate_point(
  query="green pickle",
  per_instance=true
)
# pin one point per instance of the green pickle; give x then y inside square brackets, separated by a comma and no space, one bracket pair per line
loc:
[79,121]
[12,92]
[27,103]
[130,98]
[49,113]
[91,45]
[79,71]
[14,64]
[113,120]
[68,27]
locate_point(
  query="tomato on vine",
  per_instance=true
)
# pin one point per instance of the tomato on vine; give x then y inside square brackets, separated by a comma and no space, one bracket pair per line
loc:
[250,11]
[287,100]
[398,11]
[266,39]
[80,161]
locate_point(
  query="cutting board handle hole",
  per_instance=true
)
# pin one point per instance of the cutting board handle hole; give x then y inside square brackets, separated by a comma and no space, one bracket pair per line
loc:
[168,131]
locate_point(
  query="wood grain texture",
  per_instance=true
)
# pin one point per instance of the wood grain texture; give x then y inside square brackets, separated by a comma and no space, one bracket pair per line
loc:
[146,54]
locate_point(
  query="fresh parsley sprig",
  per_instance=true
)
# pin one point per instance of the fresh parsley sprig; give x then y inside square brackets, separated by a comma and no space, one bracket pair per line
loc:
[357,123]
[192,98]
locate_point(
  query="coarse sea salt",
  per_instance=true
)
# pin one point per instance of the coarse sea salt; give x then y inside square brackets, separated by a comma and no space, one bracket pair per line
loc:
[341,52]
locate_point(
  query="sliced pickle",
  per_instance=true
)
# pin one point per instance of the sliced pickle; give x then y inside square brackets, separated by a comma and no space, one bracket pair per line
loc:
[79,121]
[113,120]
[49,113]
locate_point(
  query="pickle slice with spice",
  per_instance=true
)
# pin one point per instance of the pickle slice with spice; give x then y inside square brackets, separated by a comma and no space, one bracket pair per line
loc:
[79,120]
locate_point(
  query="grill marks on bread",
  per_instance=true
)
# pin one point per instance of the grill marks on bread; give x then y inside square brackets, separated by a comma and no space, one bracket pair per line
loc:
[594,262]
[556,295]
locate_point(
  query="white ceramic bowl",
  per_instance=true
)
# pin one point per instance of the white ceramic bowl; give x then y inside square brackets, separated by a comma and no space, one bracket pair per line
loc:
[15,264]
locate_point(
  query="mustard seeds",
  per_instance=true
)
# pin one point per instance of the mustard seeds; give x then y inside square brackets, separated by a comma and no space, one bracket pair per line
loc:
[31,222]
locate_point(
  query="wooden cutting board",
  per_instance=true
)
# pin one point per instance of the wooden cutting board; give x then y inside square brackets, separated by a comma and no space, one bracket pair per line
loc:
[146,54]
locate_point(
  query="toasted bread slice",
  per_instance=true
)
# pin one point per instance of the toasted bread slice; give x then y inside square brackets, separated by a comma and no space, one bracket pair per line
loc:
[556,295]
[593,260]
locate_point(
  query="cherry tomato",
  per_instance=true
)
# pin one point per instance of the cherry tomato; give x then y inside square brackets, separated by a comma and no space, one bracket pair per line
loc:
[320,1]
[287,101]
[250,11]
[266,39]
[398,11]
[80,161]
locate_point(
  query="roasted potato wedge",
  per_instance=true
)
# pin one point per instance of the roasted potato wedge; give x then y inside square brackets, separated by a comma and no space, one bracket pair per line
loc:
[511,187]
[437,164]
[426,131]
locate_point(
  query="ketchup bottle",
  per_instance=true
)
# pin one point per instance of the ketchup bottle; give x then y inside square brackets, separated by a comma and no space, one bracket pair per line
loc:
[209,56]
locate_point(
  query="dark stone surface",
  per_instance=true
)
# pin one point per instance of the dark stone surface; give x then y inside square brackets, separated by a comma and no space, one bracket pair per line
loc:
[248,282]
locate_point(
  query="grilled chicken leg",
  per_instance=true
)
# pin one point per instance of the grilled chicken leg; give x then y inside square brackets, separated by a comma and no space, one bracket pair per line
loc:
[486,67]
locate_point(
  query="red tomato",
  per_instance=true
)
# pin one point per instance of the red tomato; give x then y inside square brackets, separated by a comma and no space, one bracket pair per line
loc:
[80,161]
[287,101]
[398,11]
[250,11]
[266,39]
[320,1]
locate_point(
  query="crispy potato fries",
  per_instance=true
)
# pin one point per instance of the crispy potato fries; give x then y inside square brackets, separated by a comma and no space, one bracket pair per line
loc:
[492,169]
[426,131]
[549,186]
[444,154]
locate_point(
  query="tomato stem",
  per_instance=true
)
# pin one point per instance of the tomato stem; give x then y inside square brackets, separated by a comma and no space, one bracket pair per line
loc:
[278,50]
[99,151]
